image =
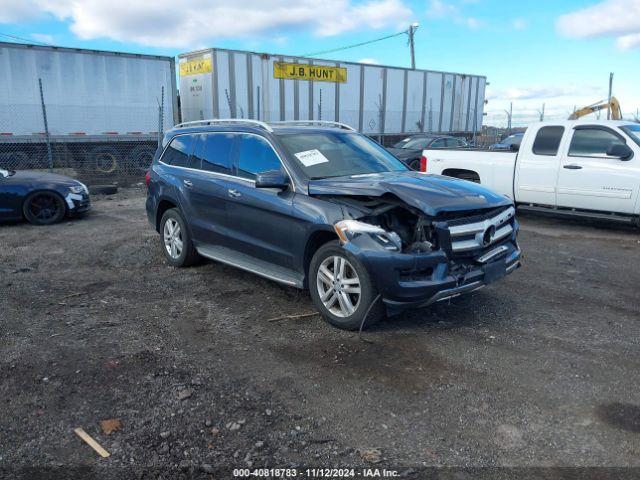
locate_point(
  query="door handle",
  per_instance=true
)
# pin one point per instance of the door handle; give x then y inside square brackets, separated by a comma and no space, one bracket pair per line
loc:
[233,193]
[188,183]
[572,166]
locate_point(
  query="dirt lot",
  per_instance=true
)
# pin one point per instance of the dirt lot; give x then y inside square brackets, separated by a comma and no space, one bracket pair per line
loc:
[541,369]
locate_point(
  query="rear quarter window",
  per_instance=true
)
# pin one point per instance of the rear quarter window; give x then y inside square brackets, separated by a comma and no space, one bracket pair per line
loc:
[548,140]
[178,153]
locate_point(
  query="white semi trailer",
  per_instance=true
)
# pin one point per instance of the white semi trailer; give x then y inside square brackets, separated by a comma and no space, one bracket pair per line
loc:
[101,107]
[373,99]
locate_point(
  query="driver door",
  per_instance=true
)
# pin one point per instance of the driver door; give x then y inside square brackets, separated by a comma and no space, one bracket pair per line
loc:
[590,179]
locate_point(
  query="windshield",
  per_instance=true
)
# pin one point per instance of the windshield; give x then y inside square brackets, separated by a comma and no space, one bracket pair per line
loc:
[633,131]
[335,154]
[417,143]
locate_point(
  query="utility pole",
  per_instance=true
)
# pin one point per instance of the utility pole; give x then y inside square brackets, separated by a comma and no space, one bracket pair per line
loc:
[542,113]
[509,115]
[412,29]
[609,99]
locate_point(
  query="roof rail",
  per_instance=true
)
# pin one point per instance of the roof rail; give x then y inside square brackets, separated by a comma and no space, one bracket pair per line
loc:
[318,122]
[212,121]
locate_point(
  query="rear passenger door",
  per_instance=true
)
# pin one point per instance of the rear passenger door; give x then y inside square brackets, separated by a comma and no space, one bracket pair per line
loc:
[537,168]
[206,187]
[260,218]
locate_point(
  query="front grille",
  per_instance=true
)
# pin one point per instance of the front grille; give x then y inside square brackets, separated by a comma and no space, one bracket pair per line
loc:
[480,232]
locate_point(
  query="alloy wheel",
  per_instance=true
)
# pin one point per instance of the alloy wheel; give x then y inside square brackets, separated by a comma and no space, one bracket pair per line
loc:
[173,238]
[338,286]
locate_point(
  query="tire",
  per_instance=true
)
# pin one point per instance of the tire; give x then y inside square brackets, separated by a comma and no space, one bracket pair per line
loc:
[415,164]
[105,160]
[44,208]
[353,268]
[187,254]
[139,158]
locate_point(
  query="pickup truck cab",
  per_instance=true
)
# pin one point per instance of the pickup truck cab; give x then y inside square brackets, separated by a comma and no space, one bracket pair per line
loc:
[586,168]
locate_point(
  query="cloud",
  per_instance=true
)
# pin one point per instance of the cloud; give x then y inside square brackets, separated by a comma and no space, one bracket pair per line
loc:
[610,18]
[519,23]
[543,92]
[439,9]
[371,61]
[196,22]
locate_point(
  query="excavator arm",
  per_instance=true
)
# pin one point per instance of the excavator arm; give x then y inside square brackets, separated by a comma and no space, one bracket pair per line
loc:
[614,105]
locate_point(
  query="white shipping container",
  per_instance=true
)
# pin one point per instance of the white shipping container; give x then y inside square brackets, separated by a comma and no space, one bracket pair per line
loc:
[220,83]
[85,91]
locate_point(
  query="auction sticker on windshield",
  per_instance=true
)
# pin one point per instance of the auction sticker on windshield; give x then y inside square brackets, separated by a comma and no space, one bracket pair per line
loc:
[311,157]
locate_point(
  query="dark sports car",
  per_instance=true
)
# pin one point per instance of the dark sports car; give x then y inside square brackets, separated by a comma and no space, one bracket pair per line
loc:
[41,198]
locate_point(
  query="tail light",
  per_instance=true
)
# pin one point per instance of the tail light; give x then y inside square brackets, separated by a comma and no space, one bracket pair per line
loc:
[147,178]
[423,163]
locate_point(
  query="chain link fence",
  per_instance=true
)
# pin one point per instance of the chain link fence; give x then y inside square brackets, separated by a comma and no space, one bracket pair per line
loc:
[97,144]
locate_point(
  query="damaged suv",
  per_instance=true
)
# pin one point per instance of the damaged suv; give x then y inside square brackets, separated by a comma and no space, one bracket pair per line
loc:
[317,205]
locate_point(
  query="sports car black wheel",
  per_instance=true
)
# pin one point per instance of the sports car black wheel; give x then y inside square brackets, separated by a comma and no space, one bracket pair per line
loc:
[44,208]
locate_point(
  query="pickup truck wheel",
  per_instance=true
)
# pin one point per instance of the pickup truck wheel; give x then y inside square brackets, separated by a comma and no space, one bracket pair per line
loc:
[176,242]
[341,288]
[415,164]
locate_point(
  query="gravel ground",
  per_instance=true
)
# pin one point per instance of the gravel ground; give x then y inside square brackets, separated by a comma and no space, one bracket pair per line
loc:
[539,370]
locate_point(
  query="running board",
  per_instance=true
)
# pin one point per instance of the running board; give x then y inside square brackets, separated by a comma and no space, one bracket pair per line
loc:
[612,217]
[252,264]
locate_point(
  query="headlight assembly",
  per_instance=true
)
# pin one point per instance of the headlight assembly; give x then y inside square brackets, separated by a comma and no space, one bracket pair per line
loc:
[80,188]
[347,230]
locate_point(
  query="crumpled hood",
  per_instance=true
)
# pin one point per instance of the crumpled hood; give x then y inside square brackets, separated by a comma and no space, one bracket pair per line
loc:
[432,194]
[34,176]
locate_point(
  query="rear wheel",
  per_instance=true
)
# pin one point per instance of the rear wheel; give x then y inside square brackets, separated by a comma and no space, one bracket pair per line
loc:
[44,208]
[176,242]
[341,288]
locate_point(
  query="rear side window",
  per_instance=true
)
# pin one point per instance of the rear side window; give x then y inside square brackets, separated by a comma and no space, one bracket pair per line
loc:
[178,153]
[255,156]
[214,152]
[548,140]
[592,142]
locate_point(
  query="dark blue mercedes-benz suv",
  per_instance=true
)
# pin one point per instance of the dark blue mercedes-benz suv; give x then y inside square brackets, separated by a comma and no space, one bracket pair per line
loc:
[317,205]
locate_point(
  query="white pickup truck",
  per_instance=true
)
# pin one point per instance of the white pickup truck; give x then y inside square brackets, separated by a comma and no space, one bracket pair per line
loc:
[569,167]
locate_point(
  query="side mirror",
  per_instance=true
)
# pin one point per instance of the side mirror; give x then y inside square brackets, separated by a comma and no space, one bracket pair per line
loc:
[514,147]
[272,179]
[620,150]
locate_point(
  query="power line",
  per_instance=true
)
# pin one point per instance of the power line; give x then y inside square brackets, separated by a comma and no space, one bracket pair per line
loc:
[28,40]
[404,32]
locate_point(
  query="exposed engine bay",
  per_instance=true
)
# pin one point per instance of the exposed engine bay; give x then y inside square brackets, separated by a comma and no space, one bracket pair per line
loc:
[414,230]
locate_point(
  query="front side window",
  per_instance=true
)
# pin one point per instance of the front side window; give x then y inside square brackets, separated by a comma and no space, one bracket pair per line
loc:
[592,142]
[178,153]
[213,152]
[336,154]
[255,155]
[548,140]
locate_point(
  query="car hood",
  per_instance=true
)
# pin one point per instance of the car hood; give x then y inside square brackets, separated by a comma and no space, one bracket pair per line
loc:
[431,194]
[45,178]
[405,153]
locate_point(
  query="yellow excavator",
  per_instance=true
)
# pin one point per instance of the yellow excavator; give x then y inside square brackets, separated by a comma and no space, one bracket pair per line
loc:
[613,104]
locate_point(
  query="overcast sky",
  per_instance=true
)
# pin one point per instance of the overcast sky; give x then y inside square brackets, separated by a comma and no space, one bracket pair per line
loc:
[554,52]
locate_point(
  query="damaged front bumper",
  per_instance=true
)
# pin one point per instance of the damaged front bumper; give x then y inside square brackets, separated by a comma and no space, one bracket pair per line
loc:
[77,203]
[407,280]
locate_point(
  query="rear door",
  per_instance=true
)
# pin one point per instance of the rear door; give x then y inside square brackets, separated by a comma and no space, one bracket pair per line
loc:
[591,180]
[206,186]
[260,218]
[537,165]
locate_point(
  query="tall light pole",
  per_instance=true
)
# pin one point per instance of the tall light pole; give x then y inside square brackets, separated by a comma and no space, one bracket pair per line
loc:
[412,29]
[609,99]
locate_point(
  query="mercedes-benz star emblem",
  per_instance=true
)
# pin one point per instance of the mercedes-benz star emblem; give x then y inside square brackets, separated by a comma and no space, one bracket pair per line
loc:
[488,235]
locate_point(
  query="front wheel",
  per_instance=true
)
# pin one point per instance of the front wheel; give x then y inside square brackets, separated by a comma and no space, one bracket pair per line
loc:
[342,290]
[44,208]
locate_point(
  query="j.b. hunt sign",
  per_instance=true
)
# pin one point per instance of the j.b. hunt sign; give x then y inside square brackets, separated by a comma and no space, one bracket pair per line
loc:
[316,73]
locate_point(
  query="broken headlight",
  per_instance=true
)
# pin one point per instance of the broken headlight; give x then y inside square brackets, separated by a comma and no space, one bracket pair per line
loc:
[347,230]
